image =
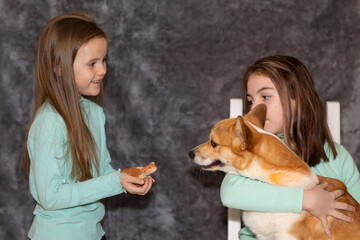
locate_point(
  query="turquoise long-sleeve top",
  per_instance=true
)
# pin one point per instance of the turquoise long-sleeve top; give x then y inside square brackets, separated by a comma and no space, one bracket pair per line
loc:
[252,195]
[66,208]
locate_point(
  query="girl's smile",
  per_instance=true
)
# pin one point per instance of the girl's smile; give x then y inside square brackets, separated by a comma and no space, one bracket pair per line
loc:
[97,82]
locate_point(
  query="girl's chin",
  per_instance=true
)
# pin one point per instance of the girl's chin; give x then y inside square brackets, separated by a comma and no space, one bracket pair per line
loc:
[271,130]
[91,94]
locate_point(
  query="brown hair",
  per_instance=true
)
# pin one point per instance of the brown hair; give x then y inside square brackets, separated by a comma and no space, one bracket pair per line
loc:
[305,131]
[59,42]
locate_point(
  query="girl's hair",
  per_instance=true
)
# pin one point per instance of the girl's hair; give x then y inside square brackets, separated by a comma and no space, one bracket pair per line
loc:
[59,42]
[305,130]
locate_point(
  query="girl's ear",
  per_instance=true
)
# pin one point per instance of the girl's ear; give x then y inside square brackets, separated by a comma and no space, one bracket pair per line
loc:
[240,141]
[257,115]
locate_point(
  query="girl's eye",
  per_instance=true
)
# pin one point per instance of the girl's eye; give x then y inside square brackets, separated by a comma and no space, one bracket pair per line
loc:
[105,60]
[91,64]
[250,102]
[213,144]
[266,97]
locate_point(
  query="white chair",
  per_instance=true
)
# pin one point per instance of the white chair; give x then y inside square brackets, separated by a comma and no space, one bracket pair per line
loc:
[236,109]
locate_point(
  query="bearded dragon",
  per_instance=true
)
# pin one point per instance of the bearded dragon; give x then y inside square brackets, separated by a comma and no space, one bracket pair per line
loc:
[141,172]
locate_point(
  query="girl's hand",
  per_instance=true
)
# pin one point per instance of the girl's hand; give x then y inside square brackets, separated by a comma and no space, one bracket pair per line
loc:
[135,185]
[322,204]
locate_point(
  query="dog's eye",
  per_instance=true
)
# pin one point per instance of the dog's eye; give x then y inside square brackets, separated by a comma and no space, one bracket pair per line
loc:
[213,144]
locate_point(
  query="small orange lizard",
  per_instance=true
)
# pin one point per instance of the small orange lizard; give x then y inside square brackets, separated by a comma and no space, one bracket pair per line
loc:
[141,172]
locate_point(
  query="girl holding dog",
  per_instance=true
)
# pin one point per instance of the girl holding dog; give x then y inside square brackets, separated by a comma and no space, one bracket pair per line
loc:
[66,159]
[296,114]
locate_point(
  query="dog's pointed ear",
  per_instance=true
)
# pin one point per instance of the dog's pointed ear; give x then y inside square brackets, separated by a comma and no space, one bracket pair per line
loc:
[257,115]
[240,140]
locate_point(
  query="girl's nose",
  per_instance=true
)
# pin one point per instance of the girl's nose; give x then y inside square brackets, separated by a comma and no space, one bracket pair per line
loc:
[102,70]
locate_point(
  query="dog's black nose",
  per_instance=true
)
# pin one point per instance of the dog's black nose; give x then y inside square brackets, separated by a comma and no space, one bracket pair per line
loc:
[191,154]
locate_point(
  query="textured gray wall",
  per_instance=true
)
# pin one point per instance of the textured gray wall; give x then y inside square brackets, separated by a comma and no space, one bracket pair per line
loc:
[173,65]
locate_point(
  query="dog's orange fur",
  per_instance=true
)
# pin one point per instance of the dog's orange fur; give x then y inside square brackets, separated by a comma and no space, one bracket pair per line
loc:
[340,229]
[239,145]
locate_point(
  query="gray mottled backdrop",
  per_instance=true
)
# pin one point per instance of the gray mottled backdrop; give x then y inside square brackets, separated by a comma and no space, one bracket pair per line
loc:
[173,66]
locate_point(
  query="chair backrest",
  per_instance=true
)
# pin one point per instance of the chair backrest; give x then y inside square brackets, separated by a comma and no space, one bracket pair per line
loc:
[236,109]
[234,215]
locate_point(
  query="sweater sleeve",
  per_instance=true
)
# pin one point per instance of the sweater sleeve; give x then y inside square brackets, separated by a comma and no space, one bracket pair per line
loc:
[252,195]
[349,172]
[47,145]
[105,155]
[246,234]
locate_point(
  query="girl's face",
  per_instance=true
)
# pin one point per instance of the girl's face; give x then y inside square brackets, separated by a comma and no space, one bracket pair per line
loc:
[260,89]
[90,66]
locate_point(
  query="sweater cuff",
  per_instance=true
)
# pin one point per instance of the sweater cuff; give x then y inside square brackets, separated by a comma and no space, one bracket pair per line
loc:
[296,197]
[119,170]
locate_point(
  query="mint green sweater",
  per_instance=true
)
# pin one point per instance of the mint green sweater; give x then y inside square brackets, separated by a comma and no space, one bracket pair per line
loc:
[252,195]
[67,209]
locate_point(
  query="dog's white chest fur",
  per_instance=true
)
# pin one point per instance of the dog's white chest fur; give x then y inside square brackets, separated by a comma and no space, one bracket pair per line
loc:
[271,226]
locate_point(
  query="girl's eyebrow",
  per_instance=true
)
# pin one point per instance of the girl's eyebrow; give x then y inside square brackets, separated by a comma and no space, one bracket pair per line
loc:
[260,90]
[263,89]
[95,59]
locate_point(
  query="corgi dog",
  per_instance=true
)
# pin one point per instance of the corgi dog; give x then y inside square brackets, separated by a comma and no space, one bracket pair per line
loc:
[241,146]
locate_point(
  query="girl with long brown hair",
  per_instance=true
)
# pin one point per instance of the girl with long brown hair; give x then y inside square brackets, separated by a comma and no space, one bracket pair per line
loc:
[66,158]
[295,114]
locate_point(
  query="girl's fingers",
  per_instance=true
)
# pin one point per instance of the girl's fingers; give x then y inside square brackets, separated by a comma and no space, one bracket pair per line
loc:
[324,185]
[136,180]
[130,179]
[139,189]
[133,189]
[344,206]
[146,187]
[143,189]
[337,193]
[341,216]
[326,228]
[150,181]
